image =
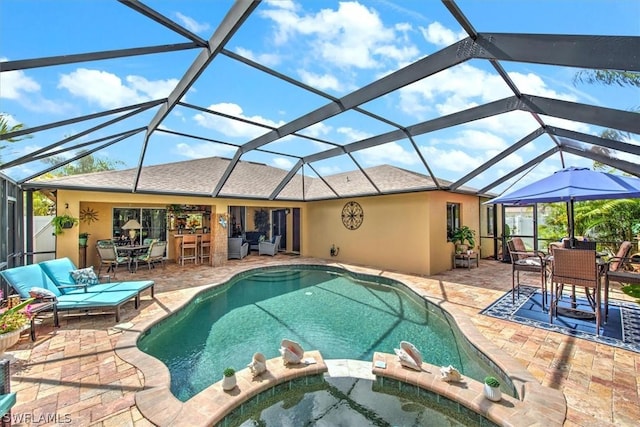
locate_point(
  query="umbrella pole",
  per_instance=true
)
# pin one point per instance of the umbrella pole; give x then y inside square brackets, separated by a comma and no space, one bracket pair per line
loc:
[572,224]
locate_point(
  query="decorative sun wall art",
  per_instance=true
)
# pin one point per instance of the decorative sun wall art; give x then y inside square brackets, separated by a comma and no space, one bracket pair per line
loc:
[88,215]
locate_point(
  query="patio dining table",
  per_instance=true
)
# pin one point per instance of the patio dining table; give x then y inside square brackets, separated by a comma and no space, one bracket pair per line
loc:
[131,252]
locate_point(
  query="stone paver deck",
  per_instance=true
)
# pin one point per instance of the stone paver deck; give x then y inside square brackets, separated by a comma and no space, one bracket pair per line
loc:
[76,375]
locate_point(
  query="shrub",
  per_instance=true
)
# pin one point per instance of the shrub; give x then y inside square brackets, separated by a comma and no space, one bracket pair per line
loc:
[492,382]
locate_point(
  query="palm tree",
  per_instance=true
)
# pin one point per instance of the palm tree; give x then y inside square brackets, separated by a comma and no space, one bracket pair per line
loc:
[5,128]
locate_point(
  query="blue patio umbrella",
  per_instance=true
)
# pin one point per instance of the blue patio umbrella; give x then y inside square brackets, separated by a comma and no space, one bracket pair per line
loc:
[571,184]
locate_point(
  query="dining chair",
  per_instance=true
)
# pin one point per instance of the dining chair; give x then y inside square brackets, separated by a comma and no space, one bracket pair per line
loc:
[575,268]
[158,252]
[189,248]
[615,272]
[529,261]
[109,257]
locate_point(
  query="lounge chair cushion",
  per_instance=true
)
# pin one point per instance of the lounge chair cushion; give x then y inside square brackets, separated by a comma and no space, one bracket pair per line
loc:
[59,271]
[533,261]
[85,276]
[7,401]
[23,278]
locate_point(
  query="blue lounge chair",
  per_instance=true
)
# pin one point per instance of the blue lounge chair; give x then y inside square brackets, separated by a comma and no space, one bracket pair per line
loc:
[59,270]
[55,277]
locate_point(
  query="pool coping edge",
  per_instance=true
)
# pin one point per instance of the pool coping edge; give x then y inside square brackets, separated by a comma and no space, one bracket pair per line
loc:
[161,407]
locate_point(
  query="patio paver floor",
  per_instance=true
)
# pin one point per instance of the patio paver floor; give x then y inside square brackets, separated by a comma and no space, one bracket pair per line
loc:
[73,376]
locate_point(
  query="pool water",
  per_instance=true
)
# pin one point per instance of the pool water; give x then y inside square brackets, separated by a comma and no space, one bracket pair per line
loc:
[353,402]
[339,315]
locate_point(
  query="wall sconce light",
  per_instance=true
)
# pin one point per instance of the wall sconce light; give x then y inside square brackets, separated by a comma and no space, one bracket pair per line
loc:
[66,205]
[287,211]
[222,220]
[334,251]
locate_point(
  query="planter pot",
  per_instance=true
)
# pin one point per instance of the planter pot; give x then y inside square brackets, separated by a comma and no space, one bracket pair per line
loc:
[9,340]
[492,393]
[228,383]
[68,224]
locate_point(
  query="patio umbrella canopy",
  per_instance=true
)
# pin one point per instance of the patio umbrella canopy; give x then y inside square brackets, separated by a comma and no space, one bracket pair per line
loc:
[571,184]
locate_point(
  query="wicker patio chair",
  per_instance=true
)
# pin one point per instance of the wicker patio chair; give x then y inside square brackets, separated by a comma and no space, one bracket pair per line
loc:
[268,248]
[236,248]
[618,271]
[527,261]
[575,268]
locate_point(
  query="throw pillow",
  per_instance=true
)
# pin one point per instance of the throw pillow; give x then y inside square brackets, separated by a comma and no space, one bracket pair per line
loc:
[85,276]
[41,293]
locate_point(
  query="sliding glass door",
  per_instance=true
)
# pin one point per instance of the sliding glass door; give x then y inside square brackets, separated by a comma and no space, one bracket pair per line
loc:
[153,223]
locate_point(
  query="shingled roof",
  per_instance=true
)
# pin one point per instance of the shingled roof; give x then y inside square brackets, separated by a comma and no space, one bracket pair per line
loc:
[249,180]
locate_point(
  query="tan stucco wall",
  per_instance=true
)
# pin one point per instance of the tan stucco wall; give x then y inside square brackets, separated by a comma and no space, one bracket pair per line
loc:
[403,232]
[104,202]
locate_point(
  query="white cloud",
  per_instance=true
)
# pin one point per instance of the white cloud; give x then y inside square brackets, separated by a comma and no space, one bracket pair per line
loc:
[389,153]
[108,91]
[267,59]
[282,163]
[441,36]
[352,36]
[19,87]
[466,86]
[282,4]
[156,89]
[322,82]
[15,84]
[191,24]
[234,128]
[352,134]
[202,150]
[317,130]
[458,161]
[474,139]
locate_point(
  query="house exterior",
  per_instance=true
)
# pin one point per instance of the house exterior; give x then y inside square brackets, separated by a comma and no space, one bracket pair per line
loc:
[403,226]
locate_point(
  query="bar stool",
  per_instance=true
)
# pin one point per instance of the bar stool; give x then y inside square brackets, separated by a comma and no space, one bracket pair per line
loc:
[189,248]
[205,248]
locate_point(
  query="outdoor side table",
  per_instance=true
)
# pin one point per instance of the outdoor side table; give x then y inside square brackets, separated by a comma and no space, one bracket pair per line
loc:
[465,260]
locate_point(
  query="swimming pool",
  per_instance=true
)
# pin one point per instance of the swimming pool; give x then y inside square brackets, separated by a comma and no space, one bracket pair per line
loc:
[346,401]
[343,315]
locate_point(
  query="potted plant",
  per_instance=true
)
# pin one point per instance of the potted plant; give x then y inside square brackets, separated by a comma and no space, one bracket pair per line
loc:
[12,322]
[492,389]
[461,235]
[60,222]
[82,239]
[261,221]
[229,379]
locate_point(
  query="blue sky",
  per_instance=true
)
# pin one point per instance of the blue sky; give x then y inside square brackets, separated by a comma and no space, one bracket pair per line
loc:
[336,47]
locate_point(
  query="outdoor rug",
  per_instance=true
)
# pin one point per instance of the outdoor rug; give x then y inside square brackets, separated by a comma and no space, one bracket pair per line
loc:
[621,330]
